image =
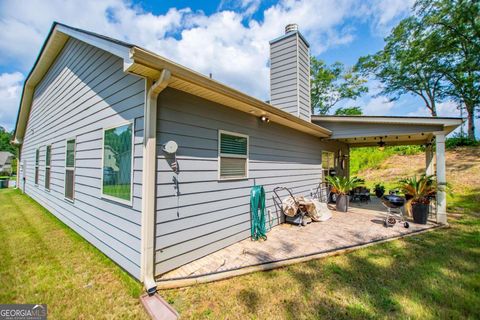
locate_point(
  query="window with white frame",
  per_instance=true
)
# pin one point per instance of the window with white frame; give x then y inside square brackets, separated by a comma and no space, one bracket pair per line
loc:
[118,163]
[70,169]
[37,161]
[233,155]
[48,159]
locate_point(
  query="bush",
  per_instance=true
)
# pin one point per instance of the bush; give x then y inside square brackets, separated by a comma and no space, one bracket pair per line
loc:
[459,140]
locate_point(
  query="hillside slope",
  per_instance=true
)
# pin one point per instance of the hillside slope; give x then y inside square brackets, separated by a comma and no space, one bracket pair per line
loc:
[463,170]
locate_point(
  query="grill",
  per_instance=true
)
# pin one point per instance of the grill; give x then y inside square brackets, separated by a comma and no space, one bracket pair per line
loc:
[393,201]
[394,205]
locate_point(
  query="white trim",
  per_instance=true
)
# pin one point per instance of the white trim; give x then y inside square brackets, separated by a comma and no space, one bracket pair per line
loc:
[107,196]
[48,166]
[70,168]
[106,45]
[227,155]
[394,119]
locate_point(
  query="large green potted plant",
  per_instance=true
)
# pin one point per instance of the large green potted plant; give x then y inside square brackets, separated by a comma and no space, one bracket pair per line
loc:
[419,191]
[341,186]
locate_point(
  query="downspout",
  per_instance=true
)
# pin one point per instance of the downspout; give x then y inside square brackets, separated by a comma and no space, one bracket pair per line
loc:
[149,179]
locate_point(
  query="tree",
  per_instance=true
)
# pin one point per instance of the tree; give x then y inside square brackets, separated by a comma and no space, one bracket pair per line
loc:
[332,84]
[457,23]
[5,138]
[407,64]
[349,111]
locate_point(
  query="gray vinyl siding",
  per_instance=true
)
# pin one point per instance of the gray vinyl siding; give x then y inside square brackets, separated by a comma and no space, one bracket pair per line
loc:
[290,75]
[84,91]
[210,214]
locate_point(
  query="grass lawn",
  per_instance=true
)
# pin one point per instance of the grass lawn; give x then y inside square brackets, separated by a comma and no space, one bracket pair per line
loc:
[429,276]
[43,261]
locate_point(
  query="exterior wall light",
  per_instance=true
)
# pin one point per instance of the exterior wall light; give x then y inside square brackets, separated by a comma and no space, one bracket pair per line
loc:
[265,119]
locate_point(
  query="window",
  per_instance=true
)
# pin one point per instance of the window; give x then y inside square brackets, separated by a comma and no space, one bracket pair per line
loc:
[48,158]
[37,160]
[233,155]
[117,163]
[328,159]
[70,169]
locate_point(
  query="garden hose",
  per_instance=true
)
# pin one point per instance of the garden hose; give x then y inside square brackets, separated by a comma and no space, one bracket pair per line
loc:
[257,208]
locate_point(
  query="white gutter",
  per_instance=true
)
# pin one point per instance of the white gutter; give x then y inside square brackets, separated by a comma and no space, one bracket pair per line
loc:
[149,179]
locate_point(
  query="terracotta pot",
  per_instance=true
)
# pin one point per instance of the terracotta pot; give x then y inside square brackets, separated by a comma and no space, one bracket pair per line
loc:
[342,203]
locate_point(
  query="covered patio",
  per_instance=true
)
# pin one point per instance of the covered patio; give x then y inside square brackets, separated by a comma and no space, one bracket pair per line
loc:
[381,131]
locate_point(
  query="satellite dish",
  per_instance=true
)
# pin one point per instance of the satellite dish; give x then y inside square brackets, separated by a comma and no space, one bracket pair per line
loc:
[170,147]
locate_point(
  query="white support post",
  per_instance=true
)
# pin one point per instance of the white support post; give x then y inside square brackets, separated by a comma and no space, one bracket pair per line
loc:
[441,178]
[429,168]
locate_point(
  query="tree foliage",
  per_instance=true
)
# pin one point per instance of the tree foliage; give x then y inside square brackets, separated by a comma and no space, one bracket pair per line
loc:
[457,24]
[349,111]
[407,64]
[331,84]
[434,54]
[5,138]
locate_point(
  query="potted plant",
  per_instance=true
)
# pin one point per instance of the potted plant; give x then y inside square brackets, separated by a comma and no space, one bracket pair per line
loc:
[379,190]
[419,192]
[341,186]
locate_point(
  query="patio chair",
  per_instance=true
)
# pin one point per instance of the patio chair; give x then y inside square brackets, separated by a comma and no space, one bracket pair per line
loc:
[323,193]
[361,194]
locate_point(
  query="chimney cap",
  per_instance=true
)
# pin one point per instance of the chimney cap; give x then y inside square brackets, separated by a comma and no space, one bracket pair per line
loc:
[291,27]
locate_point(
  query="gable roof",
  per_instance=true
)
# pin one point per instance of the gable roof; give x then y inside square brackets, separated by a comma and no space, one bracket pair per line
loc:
[150,65]
[4,156]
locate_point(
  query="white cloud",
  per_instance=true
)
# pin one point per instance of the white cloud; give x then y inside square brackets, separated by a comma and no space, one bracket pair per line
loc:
[10,90]
[378,106]
[229,43]
[444,109]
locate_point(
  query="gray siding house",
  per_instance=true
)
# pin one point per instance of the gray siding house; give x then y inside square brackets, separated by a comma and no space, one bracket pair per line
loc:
[95,118]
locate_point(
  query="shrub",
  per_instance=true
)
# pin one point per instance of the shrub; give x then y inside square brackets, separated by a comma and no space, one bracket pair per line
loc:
[459,140]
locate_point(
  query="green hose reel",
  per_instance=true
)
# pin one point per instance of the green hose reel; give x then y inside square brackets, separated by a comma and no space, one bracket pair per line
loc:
[257,209]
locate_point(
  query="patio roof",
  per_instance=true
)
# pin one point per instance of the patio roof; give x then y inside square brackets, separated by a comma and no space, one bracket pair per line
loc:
[361,131]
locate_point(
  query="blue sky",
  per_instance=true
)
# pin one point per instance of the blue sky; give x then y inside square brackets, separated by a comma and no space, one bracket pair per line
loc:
[228,38]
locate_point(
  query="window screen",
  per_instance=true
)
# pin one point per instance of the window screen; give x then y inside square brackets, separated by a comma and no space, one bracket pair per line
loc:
[48,156]
[37,159]
[233,154]
[117,162]
[70,170]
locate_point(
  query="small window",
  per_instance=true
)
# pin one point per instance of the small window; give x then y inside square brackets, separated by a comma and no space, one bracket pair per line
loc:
[48,159]
[233,155]
[117,163]
[70,170]
[37,160]
[328,162]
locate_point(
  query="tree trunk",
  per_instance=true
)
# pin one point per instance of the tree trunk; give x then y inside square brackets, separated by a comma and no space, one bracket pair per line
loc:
[471,121]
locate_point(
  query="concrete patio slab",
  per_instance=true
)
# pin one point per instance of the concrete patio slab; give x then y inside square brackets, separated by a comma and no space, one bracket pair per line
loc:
[361,225]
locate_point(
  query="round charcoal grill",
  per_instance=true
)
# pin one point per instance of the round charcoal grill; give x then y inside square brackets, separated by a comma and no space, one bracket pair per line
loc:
[393,201]
[394,206]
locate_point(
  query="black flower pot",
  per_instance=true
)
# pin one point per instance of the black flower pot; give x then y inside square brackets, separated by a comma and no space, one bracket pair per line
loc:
[420,213]
[342,203]
[379,193]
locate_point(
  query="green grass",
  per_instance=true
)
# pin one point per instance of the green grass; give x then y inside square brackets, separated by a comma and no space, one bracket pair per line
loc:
[430,276]
[372,157]
[44,261]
